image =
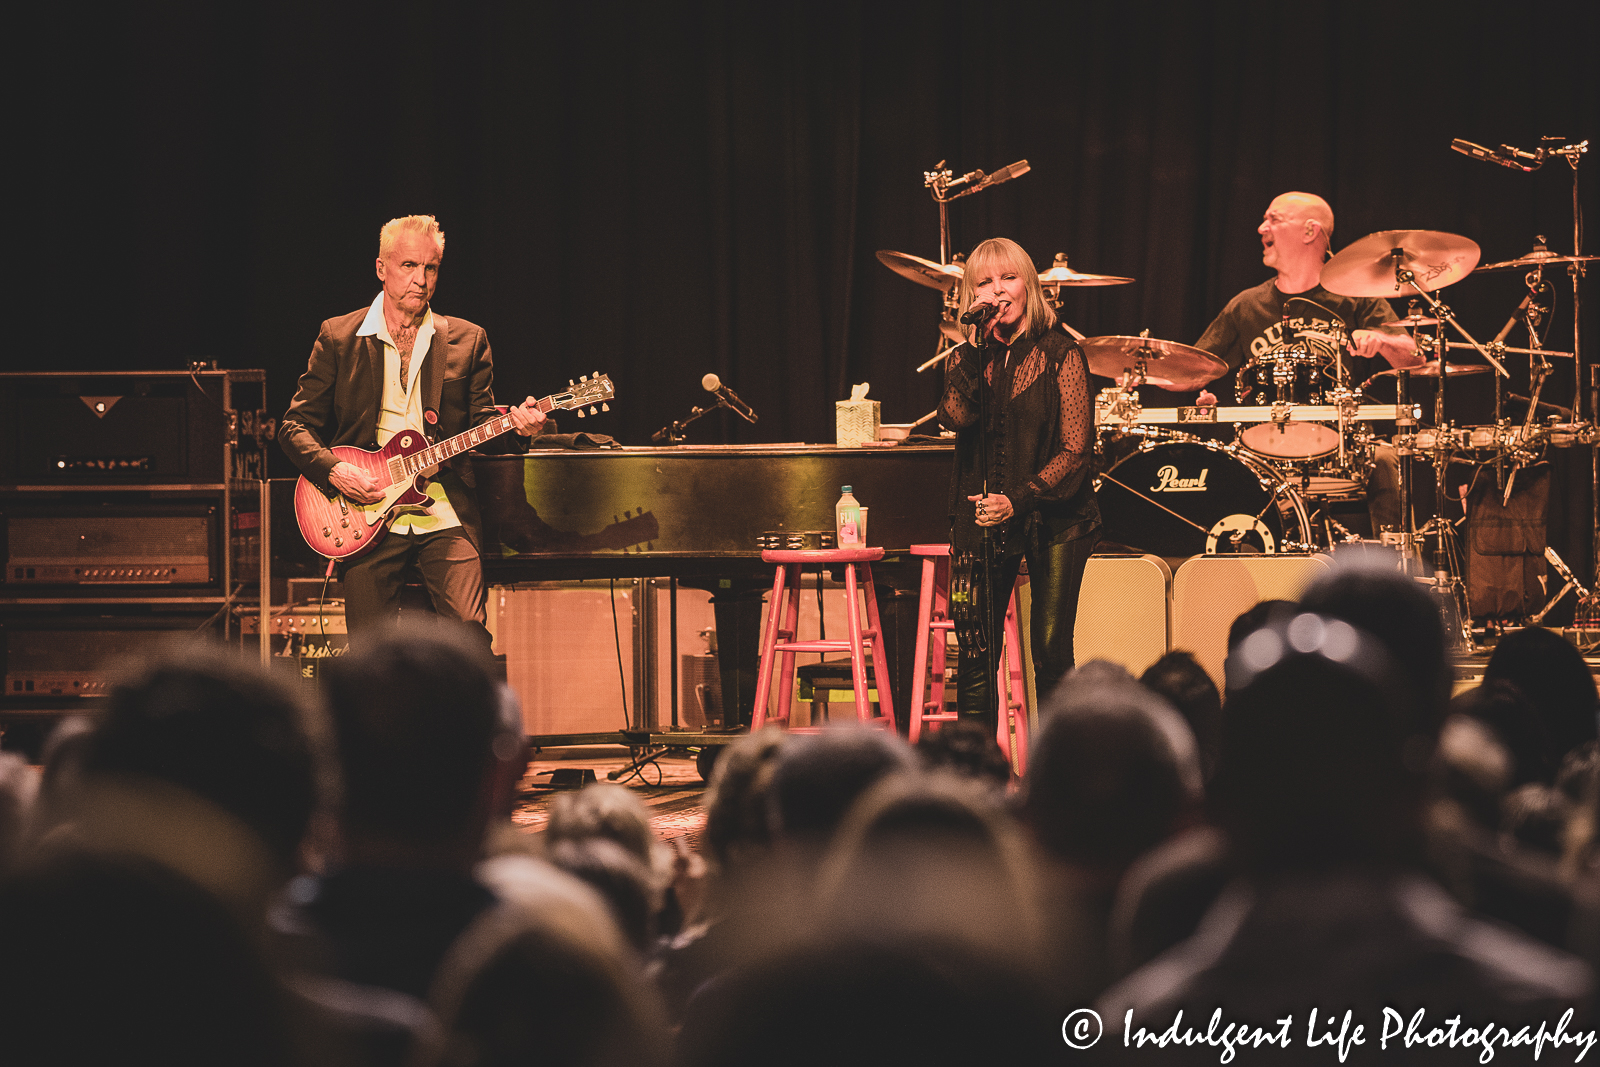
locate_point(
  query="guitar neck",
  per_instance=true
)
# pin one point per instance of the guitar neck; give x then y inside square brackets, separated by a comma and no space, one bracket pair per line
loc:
[434,455]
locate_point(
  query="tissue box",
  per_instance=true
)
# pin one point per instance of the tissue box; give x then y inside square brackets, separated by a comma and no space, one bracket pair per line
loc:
[855,422]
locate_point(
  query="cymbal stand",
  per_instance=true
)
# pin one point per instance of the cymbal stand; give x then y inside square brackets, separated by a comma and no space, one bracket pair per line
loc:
[940,181]
[1405,276]
[1448,587]
[1539,369]
[1407,457]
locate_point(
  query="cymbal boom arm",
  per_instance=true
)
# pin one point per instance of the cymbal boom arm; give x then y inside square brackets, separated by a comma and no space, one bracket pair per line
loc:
[1405,276]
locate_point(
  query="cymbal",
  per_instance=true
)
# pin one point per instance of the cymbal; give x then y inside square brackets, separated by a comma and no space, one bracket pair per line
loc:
[1537,259]
[1430,369]
[1366,268]
[941,276]
[1168,364]
[951,330]
[1412,321]
[1061,274]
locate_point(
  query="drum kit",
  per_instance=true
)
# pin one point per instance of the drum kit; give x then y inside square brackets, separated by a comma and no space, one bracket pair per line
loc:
[1304,434]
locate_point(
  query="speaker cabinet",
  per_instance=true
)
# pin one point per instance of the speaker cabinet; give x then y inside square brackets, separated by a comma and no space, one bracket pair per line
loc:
[570,653]
[130,427]
[1122,611]
[1209,592]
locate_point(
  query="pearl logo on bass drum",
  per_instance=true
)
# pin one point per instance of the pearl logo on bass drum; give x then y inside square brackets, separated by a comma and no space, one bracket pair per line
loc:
[1167,481]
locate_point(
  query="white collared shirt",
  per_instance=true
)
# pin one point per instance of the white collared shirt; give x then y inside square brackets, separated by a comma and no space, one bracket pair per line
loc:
[400,408]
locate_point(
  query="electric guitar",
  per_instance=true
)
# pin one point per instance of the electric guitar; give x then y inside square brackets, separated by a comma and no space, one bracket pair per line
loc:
[341,529]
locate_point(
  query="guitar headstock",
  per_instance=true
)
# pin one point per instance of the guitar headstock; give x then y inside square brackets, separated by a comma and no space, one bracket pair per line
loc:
[587,390]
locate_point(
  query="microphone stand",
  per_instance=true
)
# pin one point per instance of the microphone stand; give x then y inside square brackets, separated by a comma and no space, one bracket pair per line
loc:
[986,551]
[672,433]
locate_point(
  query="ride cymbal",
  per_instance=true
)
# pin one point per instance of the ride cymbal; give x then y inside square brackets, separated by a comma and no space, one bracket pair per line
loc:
[1167,364]
[1367,267]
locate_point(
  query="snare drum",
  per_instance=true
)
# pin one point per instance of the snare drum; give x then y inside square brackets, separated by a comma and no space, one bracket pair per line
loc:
[1287,374]
[1188,497]
[1329,478]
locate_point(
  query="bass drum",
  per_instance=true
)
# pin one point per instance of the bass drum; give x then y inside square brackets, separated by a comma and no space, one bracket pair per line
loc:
[1191,497]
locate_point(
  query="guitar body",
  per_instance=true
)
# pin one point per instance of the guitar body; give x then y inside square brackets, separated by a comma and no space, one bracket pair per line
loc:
[339,529]
[336,528]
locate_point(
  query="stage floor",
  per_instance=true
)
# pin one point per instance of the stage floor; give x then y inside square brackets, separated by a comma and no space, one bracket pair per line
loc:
[670,788]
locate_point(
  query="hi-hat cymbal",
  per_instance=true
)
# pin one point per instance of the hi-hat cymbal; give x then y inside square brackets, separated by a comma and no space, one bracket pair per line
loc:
[1366,268]
[941,276]
[1412,321]
[1536,259]
[1430,369]
[1168,364]
[1061,274]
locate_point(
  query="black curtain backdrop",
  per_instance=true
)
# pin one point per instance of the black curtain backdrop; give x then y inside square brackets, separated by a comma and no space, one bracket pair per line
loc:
[665,189]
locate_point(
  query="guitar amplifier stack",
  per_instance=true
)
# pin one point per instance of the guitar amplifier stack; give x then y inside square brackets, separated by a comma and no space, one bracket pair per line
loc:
[128,513]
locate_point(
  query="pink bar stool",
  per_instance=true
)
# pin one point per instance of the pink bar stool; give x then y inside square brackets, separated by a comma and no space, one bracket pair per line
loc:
[778,638]
[927,671]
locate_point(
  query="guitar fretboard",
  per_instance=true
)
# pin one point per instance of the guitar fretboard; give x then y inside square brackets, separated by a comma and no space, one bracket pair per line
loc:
[461,442]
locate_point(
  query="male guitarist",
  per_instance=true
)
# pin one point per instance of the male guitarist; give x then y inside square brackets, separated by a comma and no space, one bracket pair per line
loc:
[398,365]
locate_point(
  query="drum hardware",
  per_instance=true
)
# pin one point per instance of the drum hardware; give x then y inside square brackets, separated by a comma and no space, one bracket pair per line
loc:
[1414,320]
[1406,416]
[1475,368]
[1576,264]
[1145,360]
[1571,579]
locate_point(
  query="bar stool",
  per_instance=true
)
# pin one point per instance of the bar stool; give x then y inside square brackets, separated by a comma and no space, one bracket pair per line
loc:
[927,671]
[783,619]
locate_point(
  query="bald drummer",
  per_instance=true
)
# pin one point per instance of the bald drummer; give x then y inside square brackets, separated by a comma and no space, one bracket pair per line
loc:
[1296,232]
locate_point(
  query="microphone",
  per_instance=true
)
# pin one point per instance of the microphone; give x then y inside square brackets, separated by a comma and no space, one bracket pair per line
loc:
[1505,330]
[1489,155]
[1005,174]
[712,384]
[979,314]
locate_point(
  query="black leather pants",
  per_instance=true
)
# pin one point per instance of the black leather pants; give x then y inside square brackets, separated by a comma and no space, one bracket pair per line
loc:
[1055,575]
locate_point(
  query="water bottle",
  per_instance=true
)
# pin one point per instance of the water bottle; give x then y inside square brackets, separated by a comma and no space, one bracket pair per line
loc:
[847,520]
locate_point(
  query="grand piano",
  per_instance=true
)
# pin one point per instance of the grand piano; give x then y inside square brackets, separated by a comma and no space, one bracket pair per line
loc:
[692,514]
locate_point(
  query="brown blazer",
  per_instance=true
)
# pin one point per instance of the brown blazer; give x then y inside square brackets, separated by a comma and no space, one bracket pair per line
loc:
[336,402]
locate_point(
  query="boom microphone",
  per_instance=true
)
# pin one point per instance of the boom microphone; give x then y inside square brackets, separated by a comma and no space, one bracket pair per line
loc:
[1506,158]
[712,384]
[1005,174]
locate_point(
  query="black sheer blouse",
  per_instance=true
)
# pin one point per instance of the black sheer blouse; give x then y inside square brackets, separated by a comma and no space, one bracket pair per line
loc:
[1040,439]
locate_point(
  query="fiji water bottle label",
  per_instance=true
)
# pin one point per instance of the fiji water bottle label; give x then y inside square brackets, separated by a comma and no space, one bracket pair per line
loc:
[848,532]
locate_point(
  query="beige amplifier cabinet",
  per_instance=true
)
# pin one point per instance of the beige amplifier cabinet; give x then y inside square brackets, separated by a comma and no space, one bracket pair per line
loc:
[579,653]
[1123,611]
[1209,592]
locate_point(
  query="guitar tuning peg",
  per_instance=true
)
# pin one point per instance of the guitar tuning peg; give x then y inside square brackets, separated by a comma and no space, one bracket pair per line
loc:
[583,377]
[596,376]
[593,410]
[580,412]
[605,407]
[571,383]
